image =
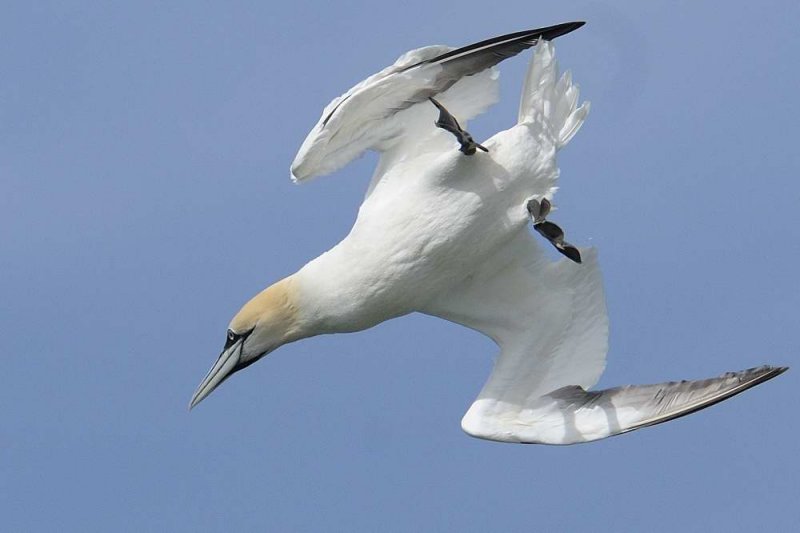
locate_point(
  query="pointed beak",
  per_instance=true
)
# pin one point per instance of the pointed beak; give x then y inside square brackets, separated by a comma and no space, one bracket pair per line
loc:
[227,364]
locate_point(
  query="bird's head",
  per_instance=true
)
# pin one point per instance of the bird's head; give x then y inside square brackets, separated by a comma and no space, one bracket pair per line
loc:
[267,321]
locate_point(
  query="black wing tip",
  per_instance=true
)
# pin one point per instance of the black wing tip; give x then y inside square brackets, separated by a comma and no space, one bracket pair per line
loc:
[528,36]
[752,377]
[558,30]
[770,371]
[765,370]
[547,33]
[570,26]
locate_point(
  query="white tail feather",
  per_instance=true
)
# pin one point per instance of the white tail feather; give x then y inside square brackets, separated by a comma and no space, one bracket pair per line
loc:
[553,103]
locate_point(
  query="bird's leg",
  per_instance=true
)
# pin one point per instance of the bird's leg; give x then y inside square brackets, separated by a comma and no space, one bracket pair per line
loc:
[448,122]
[550,231]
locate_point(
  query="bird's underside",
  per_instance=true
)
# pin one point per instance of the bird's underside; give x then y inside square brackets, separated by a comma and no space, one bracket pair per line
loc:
[548,317]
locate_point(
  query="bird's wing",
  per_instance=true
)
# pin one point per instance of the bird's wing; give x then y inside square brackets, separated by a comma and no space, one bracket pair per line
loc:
[381,111]
[549,319]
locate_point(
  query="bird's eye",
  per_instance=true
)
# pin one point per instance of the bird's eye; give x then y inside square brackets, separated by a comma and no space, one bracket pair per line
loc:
[230,339]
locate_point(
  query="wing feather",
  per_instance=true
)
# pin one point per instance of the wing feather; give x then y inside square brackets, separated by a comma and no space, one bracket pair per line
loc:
[365,117]
[571,415]
[549,319]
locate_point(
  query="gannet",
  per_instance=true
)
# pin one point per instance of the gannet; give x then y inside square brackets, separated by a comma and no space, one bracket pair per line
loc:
[445,231]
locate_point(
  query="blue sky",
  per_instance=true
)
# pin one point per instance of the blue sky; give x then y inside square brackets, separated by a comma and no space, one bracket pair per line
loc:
[144,196]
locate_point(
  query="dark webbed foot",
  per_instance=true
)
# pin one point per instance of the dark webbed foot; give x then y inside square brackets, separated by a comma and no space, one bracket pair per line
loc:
[550,231]
[448,122]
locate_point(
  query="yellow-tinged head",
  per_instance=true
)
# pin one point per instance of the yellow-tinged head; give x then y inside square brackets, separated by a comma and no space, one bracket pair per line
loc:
[270,313]
[269,320]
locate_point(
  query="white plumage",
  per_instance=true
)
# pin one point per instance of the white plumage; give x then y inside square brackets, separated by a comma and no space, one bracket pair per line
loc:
[447,234]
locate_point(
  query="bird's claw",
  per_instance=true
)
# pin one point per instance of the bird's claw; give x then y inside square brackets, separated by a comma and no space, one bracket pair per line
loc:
[538,212]
[448,122]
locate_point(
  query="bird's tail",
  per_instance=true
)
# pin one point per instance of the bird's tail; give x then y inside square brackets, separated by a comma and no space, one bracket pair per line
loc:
[552,103]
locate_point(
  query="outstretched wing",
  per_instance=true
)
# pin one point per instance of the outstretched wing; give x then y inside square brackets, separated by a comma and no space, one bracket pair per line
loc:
[549,319]
[371,114]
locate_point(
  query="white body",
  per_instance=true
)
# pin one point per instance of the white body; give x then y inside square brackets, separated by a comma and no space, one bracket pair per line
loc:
[429,224]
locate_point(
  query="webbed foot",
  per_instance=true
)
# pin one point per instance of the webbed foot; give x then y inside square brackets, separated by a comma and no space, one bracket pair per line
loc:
[550,231]
[448,122]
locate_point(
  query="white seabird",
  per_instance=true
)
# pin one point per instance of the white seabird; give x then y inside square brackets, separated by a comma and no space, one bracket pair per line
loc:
[446,233]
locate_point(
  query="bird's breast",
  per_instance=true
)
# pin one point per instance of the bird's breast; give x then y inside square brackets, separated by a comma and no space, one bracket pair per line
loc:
[423,230]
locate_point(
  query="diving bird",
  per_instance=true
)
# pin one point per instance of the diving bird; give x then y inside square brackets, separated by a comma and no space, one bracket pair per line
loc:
[444,230]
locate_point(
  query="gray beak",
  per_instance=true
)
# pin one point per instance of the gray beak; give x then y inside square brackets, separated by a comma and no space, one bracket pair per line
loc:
[227,364]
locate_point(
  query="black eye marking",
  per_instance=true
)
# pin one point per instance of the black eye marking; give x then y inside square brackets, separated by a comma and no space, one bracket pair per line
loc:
[232,337]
